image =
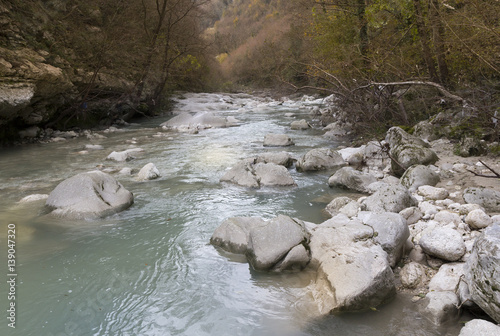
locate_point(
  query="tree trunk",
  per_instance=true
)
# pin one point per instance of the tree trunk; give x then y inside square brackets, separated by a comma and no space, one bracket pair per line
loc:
[363,31]
[423,33]
[438,37]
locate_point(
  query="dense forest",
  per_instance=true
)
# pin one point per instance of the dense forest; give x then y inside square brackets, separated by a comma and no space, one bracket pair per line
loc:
[387,61]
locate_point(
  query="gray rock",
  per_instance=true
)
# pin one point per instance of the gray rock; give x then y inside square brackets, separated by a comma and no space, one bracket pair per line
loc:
[88,196]
[268,244]
[446,217]
[270,174]
[485,197]
[277,140]
[412,275]
[352,179]
[320,159]
[353,272]
[441,307]
[242,174]
[479,327]
[426,130]
[295,260]
[148,172]
[279,158]
[443,243]
[125,155]
[374,156]
[447,278]
[482,272]
[333,208]
[232,235]
[471,147]
[411,214]
[30,132]
[390,232]
[389,198]
[94,147]
[419,175]
[299,125]
[408,150]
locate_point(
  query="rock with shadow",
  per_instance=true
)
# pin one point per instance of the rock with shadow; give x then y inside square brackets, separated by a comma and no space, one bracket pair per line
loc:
[89,195]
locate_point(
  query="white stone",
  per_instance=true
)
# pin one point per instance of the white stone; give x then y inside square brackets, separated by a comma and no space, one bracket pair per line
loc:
[446,217]
[148,172]
[479,327]
[411,214]
[412,275]
[433,193]
[478,219]
[125,155]
[443,243]
[441,307]
[447,278]
[34,198]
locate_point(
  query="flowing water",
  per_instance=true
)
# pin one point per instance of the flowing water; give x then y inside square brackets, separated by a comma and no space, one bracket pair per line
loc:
[150,269]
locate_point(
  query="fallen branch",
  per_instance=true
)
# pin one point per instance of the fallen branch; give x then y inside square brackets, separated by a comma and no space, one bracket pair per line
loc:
[497,175]
[441,89]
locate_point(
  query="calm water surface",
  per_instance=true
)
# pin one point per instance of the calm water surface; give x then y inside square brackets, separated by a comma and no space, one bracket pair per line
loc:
[150,269]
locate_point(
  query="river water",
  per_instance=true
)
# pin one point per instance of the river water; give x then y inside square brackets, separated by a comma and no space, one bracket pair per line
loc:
[150,270]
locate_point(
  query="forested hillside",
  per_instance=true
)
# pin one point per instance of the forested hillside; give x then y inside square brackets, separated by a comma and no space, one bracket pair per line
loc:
[364,50]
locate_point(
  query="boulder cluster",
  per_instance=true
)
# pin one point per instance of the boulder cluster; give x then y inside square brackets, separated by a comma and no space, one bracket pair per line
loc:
[409,230]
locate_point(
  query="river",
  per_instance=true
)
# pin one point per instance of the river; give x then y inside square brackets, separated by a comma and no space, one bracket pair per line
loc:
[150,269]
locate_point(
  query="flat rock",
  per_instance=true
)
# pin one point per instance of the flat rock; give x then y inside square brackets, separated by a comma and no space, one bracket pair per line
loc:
[432,193]
[232,235]
[277,140]
[485,197]
[125,155]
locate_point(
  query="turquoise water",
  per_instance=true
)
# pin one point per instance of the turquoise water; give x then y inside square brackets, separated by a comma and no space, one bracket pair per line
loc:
[150,269]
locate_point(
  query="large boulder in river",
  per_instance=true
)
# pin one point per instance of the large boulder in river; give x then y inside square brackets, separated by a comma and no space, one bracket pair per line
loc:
[320,159]
[88,196]
[269,244]
[407,150]
[279,158]
[148,172]
[232,235]
[300,125]
[389,198]
[353,272]
[482,272]
[350,178]
[247,173]
[277,140]
[485,197]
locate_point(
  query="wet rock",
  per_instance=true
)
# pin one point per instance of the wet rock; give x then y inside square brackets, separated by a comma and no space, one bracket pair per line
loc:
[148,172]
[126,155]
[482,272]
[441,307]
[270,174]
[389,198]
[353,272]
[443,243]
[279,158]
[186,122]
[30,132]
[354,156]
[94,147]
[349,178]
[33,198]
[333,208]
[478,219]
[485,197]
[88,196]
[320,159]
[232,235]
[300,125]
[242,174]
[277,140]
[295,260]
[269,244]
[390,232]
[125,171]
[479,327]
[419,175]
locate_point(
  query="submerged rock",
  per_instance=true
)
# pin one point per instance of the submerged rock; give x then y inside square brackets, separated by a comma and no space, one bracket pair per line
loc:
[125,155]
[88,196]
